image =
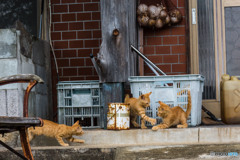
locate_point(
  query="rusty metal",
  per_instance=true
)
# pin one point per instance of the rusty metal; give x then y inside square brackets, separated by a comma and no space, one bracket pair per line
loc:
[20,123]
[12,150]
[118,117]
[25,144]
[25,102]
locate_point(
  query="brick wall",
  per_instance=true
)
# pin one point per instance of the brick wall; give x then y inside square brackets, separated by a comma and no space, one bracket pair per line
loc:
[76,32]
[166,48]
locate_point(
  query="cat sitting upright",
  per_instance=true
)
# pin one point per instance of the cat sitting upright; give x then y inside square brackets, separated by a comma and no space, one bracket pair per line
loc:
[58,131]
[173,116]
[137,108]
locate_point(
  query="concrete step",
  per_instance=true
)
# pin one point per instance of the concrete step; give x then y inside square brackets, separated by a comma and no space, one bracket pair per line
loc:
[174,136]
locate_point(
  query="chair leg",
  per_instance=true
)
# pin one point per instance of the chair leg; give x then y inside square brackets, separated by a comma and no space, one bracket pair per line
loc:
[25,143]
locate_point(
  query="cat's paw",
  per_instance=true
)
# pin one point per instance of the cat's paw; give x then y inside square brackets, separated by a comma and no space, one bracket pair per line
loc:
[181,126]
[153,121]
[143,127]
[65,144]
[155,128]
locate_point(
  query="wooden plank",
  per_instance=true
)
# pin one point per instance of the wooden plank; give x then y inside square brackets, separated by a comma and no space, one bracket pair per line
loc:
[115,59]
[141,61]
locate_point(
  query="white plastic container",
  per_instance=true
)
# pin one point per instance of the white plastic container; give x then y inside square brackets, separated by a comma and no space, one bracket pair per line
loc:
[118,117]
[167,89]
[79,100]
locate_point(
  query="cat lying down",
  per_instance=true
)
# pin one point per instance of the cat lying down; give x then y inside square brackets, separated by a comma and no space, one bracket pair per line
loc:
[173,116]
[58,131]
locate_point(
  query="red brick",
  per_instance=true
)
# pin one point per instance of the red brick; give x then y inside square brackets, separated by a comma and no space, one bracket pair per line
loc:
[164,67]
[88,62]
[76,26]
[84,52]
[60,26]
[60,8]
[148,50]
[56,35]
[181,3]
[182,10]
[182,58]
[60,44]
[68,1]
[69,71]
[91,43]
[174,2]
[64,78]
[170,40]
[96,16]
[76,44]
[63,62]
[156,59]
[154,40]
[80,1]
[55,1]
[58,54]
[170,59]
[69,17]
[77,62]
[92,78]
[178,49]
[162,32]
[56,17]
[91,6]
[83,16]
[148,32]
[91,25]
[85,71]
[178,31]
[95,50]
[97,34]
[181,40]
[69,35]
[179,68]
[75,7]
[84,34]
[76,78]
[69,53]
[162,49]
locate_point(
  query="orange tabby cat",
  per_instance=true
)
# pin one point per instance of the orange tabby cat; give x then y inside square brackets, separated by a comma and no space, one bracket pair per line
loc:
[137,108]
[173,116]
[58,131]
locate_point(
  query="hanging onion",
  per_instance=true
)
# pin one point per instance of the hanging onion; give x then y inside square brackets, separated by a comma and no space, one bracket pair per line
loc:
[151,22]
[163,14]
[159,23]
[153,11]
[143,20]
[142,9]
[175,15]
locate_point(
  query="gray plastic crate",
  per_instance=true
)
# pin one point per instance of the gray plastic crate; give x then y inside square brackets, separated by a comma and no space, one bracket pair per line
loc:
[79,100]
[169,93]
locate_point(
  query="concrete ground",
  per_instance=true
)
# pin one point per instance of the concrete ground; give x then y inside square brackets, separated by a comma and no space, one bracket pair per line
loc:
[214,142]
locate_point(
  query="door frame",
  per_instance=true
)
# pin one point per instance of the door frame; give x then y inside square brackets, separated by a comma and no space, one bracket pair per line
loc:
[219,44]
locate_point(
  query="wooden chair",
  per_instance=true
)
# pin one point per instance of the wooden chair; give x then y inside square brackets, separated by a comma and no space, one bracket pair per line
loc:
[10,124]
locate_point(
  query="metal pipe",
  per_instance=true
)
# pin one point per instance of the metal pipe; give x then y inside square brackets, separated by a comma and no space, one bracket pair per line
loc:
[95,64]
[147,60]
[154,71]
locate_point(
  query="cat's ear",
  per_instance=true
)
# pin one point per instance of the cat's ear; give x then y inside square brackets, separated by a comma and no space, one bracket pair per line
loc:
[149,93]
[76,123]
[159,102]
[142,97]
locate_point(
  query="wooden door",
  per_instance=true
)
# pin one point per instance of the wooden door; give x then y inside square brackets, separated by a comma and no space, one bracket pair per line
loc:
[214,44]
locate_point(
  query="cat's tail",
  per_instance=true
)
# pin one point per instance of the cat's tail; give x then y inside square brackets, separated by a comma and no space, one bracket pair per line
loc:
[189,106]
[127,97]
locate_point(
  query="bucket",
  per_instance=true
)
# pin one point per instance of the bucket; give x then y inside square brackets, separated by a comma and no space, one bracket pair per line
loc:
[230,99]
[118,116]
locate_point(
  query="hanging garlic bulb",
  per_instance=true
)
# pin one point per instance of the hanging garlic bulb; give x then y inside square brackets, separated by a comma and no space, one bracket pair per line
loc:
[159,23]
[153,11]
[142,9]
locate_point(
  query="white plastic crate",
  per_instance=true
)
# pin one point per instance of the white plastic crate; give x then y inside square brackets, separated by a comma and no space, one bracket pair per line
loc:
[79,100]
[169,93]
